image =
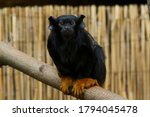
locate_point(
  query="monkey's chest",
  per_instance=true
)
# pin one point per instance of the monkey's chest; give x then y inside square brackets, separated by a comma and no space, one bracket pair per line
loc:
[68,57]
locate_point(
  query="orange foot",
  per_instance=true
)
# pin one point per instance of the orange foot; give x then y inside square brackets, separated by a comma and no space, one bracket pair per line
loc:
[66,83]
[81,84]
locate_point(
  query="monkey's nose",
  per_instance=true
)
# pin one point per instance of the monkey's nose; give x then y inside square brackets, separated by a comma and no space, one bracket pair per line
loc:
[67,29]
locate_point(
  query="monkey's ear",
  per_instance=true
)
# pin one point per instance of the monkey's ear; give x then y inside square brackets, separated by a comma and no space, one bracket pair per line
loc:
[81,17]
[80,21]
[52,21]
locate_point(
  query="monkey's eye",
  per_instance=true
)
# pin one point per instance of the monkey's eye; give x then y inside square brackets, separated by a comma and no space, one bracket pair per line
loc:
[72,23]
[61,23]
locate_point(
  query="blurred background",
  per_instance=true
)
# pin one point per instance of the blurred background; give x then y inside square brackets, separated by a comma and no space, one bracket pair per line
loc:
[121,28]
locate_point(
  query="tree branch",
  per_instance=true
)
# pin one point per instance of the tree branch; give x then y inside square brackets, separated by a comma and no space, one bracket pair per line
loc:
[44,72]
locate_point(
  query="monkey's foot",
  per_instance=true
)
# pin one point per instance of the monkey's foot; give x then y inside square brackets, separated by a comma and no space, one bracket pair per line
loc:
[81,84]
[66,84]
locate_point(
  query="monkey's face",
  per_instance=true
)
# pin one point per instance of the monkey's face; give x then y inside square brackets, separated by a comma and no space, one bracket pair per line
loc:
[67,25]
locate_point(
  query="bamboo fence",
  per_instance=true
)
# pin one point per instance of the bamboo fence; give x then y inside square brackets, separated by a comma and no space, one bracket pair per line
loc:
[123,31]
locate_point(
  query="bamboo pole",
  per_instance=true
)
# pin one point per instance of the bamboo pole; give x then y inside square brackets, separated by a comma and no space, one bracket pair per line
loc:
[28,49]
[122,55]
[23,48]
[39,45]
[133,39]
[44,73]
[126,49]
[147,36]
[137,77]
[43,49]
[1,78]
[143,53]
[17,31]
[128,52]
[118,42]
[8,70]
[148,2]
[5,25]
[114,43]
[15,42]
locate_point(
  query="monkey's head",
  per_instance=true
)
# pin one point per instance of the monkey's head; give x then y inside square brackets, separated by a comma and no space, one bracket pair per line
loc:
[66,25]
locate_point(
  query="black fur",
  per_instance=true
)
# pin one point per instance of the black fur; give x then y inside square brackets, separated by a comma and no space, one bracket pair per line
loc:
[77,54]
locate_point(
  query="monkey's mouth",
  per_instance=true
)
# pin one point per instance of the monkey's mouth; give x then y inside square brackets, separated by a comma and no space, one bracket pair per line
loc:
[67,33]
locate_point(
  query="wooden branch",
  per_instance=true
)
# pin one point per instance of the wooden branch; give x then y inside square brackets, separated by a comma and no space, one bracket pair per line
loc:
[44,72]
[148,2]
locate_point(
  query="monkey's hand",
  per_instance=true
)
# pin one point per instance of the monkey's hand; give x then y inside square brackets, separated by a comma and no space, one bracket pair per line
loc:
[81,84]
[66,84]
